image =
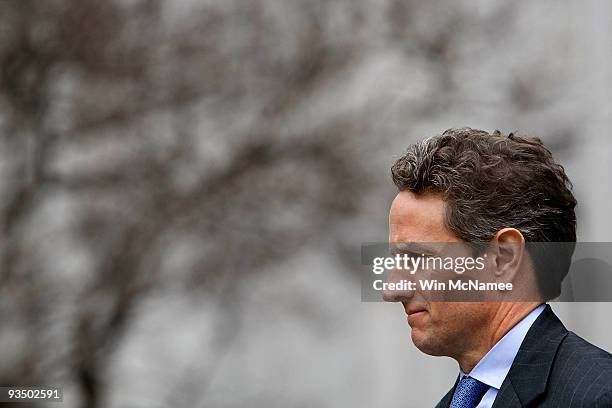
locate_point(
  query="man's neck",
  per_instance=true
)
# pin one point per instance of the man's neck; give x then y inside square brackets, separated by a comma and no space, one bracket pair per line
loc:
[506,316]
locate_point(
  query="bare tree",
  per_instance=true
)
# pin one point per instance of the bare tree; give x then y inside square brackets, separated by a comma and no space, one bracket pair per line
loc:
[129,128]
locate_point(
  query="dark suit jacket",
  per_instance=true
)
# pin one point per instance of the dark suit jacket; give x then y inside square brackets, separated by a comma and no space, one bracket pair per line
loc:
[554,368]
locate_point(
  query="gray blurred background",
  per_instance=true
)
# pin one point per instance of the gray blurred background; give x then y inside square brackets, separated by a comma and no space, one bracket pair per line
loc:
[185,185]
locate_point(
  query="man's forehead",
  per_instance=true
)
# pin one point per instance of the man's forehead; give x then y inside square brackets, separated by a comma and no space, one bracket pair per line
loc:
[418,217]
[408,207]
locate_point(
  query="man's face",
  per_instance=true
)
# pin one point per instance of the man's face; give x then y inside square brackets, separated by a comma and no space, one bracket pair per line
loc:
[438,328]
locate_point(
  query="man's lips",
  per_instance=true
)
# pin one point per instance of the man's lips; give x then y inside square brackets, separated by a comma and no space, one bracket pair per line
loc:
[415,314]
[413,309]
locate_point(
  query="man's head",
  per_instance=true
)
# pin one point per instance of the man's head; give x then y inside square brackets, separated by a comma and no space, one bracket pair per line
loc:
[472,186]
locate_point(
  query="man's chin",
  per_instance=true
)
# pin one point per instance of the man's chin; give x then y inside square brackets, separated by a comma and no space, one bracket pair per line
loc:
[423,342]
[418,319]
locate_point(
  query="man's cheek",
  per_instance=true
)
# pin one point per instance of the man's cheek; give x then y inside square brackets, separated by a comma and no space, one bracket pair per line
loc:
[441,315]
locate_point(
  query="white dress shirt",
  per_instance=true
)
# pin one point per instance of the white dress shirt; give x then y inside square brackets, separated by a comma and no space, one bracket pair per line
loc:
[493,368]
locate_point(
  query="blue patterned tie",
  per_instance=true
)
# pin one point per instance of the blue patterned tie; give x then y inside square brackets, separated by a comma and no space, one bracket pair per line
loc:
[468,393]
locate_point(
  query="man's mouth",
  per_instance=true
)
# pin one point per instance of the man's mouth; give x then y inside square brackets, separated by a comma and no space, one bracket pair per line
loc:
[414,309]
[416,315]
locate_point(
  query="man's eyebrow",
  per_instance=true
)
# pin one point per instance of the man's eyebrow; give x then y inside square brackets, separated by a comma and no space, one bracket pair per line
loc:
[402,247]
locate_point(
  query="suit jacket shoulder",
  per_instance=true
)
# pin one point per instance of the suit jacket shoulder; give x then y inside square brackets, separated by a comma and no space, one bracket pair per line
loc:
[554,368]
[581,375]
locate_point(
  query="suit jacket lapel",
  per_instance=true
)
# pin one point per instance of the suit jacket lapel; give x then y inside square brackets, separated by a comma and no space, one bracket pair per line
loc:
[528,375]
[507,397]
[446,400]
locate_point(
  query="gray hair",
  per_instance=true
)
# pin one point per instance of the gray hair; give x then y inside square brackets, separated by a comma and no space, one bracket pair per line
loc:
[491,181]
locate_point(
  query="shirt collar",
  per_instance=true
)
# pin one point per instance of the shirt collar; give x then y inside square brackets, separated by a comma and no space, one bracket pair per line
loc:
[494,366]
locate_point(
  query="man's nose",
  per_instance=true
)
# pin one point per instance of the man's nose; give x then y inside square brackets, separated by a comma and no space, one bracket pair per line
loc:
[401,294]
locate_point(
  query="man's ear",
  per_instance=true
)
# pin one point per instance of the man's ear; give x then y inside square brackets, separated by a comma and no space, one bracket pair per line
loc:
[508,247]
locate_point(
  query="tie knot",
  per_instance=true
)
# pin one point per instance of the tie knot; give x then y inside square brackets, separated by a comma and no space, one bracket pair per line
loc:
[468,393]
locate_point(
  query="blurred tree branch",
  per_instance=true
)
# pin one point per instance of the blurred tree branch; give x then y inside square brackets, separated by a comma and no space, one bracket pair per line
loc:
[153,132]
